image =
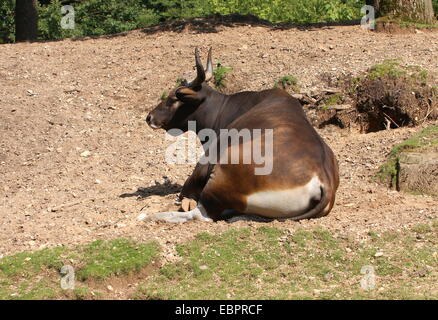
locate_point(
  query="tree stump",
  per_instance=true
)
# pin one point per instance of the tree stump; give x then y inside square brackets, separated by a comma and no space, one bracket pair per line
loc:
[418,172]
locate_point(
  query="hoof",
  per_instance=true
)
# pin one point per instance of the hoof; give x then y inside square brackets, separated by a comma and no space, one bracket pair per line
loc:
[188,204]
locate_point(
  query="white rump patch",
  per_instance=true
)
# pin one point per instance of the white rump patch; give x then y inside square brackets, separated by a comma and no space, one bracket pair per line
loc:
[199,213]
[284,203]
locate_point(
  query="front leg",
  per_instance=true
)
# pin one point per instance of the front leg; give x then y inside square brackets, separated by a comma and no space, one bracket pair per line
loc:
[198,213]
[194,185]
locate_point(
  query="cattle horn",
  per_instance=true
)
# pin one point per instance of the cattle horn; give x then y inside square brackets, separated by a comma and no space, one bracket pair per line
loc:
[209,71]
[200,77]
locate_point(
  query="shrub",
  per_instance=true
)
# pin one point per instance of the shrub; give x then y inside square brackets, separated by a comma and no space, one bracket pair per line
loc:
[287,81]
[219,75]
[49,22]
[96,17]
[7,21]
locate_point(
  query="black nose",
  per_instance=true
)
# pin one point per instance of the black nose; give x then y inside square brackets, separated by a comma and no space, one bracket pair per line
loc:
[148,118]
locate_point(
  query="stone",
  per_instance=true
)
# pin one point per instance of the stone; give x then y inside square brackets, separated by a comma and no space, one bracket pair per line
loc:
[86,154]
[418,172]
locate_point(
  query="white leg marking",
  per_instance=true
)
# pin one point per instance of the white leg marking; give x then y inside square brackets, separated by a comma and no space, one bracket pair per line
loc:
[198,213]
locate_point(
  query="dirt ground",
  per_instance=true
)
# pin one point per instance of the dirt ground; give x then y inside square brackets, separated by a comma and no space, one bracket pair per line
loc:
[78,162]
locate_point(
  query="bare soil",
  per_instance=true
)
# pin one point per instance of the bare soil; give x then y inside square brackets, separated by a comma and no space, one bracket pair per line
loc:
[78,162]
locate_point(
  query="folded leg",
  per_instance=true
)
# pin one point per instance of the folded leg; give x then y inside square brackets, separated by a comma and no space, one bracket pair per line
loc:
[199,213]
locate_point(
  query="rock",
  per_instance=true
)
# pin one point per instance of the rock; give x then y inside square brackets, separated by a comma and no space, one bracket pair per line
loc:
[378,254]
[86,154]
[328,276]
[418,172]
[188,204]
[298,96]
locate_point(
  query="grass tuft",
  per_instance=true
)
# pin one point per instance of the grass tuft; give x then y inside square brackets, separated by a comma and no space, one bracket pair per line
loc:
[287,81]
[115,257]
[268,263]
[36,275]
[219,75]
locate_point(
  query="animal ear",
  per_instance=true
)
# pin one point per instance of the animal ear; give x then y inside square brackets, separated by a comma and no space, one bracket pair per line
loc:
[187,95]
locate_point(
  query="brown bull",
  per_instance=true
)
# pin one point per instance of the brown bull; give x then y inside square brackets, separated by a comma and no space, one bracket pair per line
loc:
[302,178]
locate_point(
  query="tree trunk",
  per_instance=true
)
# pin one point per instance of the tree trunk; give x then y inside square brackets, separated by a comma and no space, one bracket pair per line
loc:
[26,20]
[418,11]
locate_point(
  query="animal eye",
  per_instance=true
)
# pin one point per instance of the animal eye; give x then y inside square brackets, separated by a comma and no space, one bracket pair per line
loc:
[171,101]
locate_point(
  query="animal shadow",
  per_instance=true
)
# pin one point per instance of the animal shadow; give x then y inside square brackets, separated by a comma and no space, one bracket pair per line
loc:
[159,189]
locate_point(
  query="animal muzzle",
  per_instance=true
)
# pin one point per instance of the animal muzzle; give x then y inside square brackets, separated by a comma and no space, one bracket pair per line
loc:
[152,123]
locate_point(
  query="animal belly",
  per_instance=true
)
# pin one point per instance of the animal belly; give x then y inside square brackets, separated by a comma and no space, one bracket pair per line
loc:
[285,203]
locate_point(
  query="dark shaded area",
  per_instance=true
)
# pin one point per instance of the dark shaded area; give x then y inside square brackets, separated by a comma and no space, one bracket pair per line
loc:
[160,189]
[394,102]
[387,96]
[26,20]
[103,36]
[212,23]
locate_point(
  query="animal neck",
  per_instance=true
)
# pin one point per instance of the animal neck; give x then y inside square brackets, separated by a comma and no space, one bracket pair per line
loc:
[207,115]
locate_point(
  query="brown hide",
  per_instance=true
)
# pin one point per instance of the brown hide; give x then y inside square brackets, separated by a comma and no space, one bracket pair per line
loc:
[299,154]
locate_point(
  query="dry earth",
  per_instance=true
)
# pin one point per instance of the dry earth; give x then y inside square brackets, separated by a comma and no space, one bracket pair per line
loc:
[78,162]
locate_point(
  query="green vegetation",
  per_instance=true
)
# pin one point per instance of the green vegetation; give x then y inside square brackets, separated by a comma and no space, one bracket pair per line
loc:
[332,100]
[262,263]
[36,275]
[179,82]
[435,7]
[97,17]
[7,26]
[287,81]
[268,263]
[220,72]
[392,69]
[405,23]
[389,68]
[164,95]
[428,137]
[102,259]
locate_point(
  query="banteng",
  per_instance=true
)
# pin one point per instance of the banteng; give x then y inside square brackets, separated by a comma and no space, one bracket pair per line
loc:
[301,181]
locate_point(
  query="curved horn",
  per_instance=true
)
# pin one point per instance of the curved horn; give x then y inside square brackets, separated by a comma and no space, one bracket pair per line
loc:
[209,71]
[200,78]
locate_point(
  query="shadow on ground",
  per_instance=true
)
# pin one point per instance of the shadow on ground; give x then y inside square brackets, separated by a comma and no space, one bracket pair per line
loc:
[212,23]
[160,189]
